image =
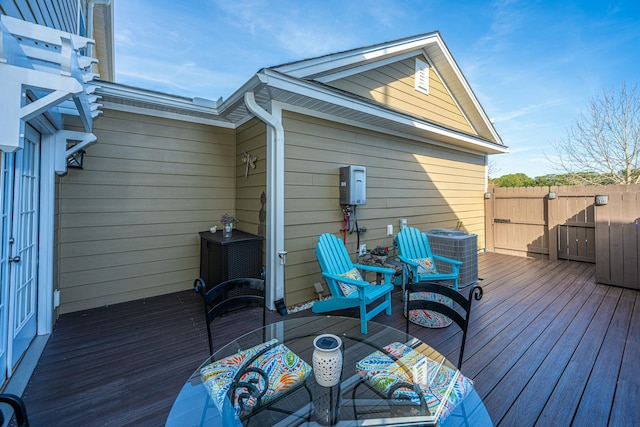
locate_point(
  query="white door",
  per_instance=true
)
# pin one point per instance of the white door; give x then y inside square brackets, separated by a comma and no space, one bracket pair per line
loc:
[18,257]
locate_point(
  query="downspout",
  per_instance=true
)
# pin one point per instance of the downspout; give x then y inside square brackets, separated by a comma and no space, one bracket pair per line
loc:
[276,255]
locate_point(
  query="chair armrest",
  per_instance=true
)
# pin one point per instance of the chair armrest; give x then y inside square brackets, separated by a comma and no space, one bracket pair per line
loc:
[358,283]
[375,269]
[408,261]
[448,260]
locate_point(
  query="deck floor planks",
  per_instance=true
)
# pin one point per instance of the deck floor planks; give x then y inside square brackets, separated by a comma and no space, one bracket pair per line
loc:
[607,365]
[523,335]
[494,304]
[626,410]
[491,310]
[575,342]
[124,364]
[496,336]
[520,373]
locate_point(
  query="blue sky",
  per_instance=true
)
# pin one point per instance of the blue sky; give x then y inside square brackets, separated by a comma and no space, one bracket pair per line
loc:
[534,65]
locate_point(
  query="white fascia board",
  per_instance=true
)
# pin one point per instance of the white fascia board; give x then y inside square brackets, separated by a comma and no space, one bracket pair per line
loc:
[277,80]
[468,139]
[147,96]
[326,63]
[143,96]
[490,148]
[237,97]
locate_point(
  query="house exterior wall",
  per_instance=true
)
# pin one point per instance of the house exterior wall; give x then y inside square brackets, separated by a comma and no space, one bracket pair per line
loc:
[251,138]
[393,85]
[429,185]
[129,221]
[58,14]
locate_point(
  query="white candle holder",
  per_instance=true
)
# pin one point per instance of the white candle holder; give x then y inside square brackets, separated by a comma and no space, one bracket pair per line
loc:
[327,360]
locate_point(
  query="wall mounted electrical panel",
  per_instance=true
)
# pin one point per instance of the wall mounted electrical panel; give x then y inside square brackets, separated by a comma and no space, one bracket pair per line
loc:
[353,185]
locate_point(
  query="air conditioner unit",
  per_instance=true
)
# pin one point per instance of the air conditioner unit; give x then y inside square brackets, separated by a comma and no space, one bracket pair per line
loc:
[458,245]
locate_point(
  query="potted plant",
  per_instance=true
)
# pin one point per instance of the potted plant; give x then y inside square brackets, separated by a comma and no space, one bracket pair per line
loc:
[379,254]
[227,221]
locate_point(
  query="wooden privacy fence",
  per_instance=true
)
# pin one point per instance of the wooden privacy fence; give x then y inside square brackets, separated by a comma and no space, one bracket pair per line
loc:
[567,223]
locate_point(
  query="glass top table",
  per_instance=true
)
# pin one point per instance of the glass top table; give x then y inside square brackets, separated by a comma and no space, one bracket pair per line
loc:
[353,402]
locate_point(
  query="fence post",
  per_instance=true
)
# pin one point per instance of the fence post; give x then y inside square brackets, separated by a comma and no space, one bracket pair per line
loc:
[489,197]
[552,224]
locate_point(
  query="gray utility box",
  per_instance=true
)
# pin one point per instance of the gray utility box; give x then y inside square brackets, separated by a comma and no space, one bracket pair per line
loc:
[458,245]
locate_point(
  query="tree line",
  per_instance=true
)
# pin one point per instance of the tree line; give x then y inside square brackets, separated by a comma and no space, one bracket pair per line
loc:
[578,178]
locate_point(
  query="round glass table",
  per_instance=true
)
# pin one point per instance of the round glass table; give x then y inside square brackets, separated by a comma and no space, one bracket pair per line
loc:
[387,378]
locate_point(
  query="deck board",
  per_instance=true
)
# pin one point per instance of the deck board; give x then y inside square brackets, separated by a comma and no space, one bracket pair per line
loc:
[546,345]
[596,386]
[626,410]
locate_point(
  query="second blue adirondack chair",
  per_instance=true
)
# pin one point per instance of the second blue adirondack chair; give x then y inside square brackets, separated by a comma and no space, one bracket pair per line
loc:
[415,252]
[345,283]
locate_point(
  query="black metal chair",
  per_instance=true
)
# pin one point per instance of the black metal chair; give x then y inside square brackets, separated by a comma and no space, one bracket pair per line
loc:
[459,313]
[230,296]
[18,407]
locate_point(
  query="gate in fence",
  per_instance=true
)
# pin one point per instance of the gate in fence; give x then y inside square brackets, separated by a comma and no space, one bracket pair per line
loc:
[597,224]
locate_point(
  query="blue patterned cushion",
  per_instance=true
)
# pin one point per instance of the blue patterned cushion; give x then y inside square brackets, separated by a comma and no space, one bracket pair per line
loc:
[429,318]
[426,265]
[283,368]
[346,288]
[442,388]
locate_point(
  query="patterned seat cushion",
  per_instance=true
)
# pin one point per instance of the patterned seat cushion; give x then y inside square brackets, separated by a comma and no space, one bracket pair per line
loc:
[396,375]
[346,288]
[429,318]
[282,368]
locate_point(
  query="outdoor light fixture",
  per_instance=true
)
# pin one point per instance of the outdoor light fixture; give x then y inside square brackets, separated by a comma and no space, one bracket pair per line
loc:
[487,195]
[602,200]
[75,160]
[552,195]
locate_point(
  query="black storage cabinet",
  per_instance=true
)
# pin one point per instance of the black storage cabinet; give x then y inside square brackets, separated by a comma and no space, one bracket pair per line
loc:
[229,258]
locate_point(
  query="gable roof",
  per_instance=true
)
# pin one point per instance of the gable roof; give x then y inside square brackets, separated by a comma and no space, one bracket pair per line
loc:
[327,68]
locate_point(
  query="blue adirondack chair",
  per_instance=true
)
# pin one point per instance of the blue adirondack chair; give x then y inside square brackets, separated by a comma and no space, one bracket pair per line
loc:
[346,285]
[415,252]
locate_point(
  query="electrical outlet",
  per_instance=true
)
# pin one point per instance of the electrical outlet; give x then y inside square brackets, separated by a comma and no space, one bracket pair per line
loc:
[318,286]
[363,230]
[363,249]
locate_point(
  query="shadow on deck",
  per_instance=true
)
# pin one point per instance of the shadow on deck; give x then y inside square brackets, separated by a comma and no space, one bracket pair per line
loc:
[546,345]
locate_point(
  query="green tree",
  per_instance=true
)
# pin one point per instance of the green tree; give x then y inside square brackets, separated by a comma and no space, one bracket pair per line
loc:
[603,144]
[513,180]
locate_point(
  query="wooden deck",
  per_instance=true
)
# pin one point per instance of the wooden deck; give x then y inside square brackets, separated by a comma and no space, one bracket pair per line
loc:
[546,346]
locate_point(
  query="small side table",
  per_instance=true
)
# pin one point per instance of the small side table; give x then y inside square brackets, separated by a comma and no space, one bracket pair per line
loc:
[229,258]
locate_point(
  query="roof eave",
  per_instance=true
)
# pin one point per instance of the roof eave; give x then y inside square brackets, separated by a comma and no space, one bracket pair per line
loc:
[120,97]
[275,79]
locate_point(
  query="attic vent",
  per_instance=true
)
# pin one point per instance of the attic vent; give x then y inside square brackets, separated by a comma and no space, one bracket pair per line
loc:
[422,76]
